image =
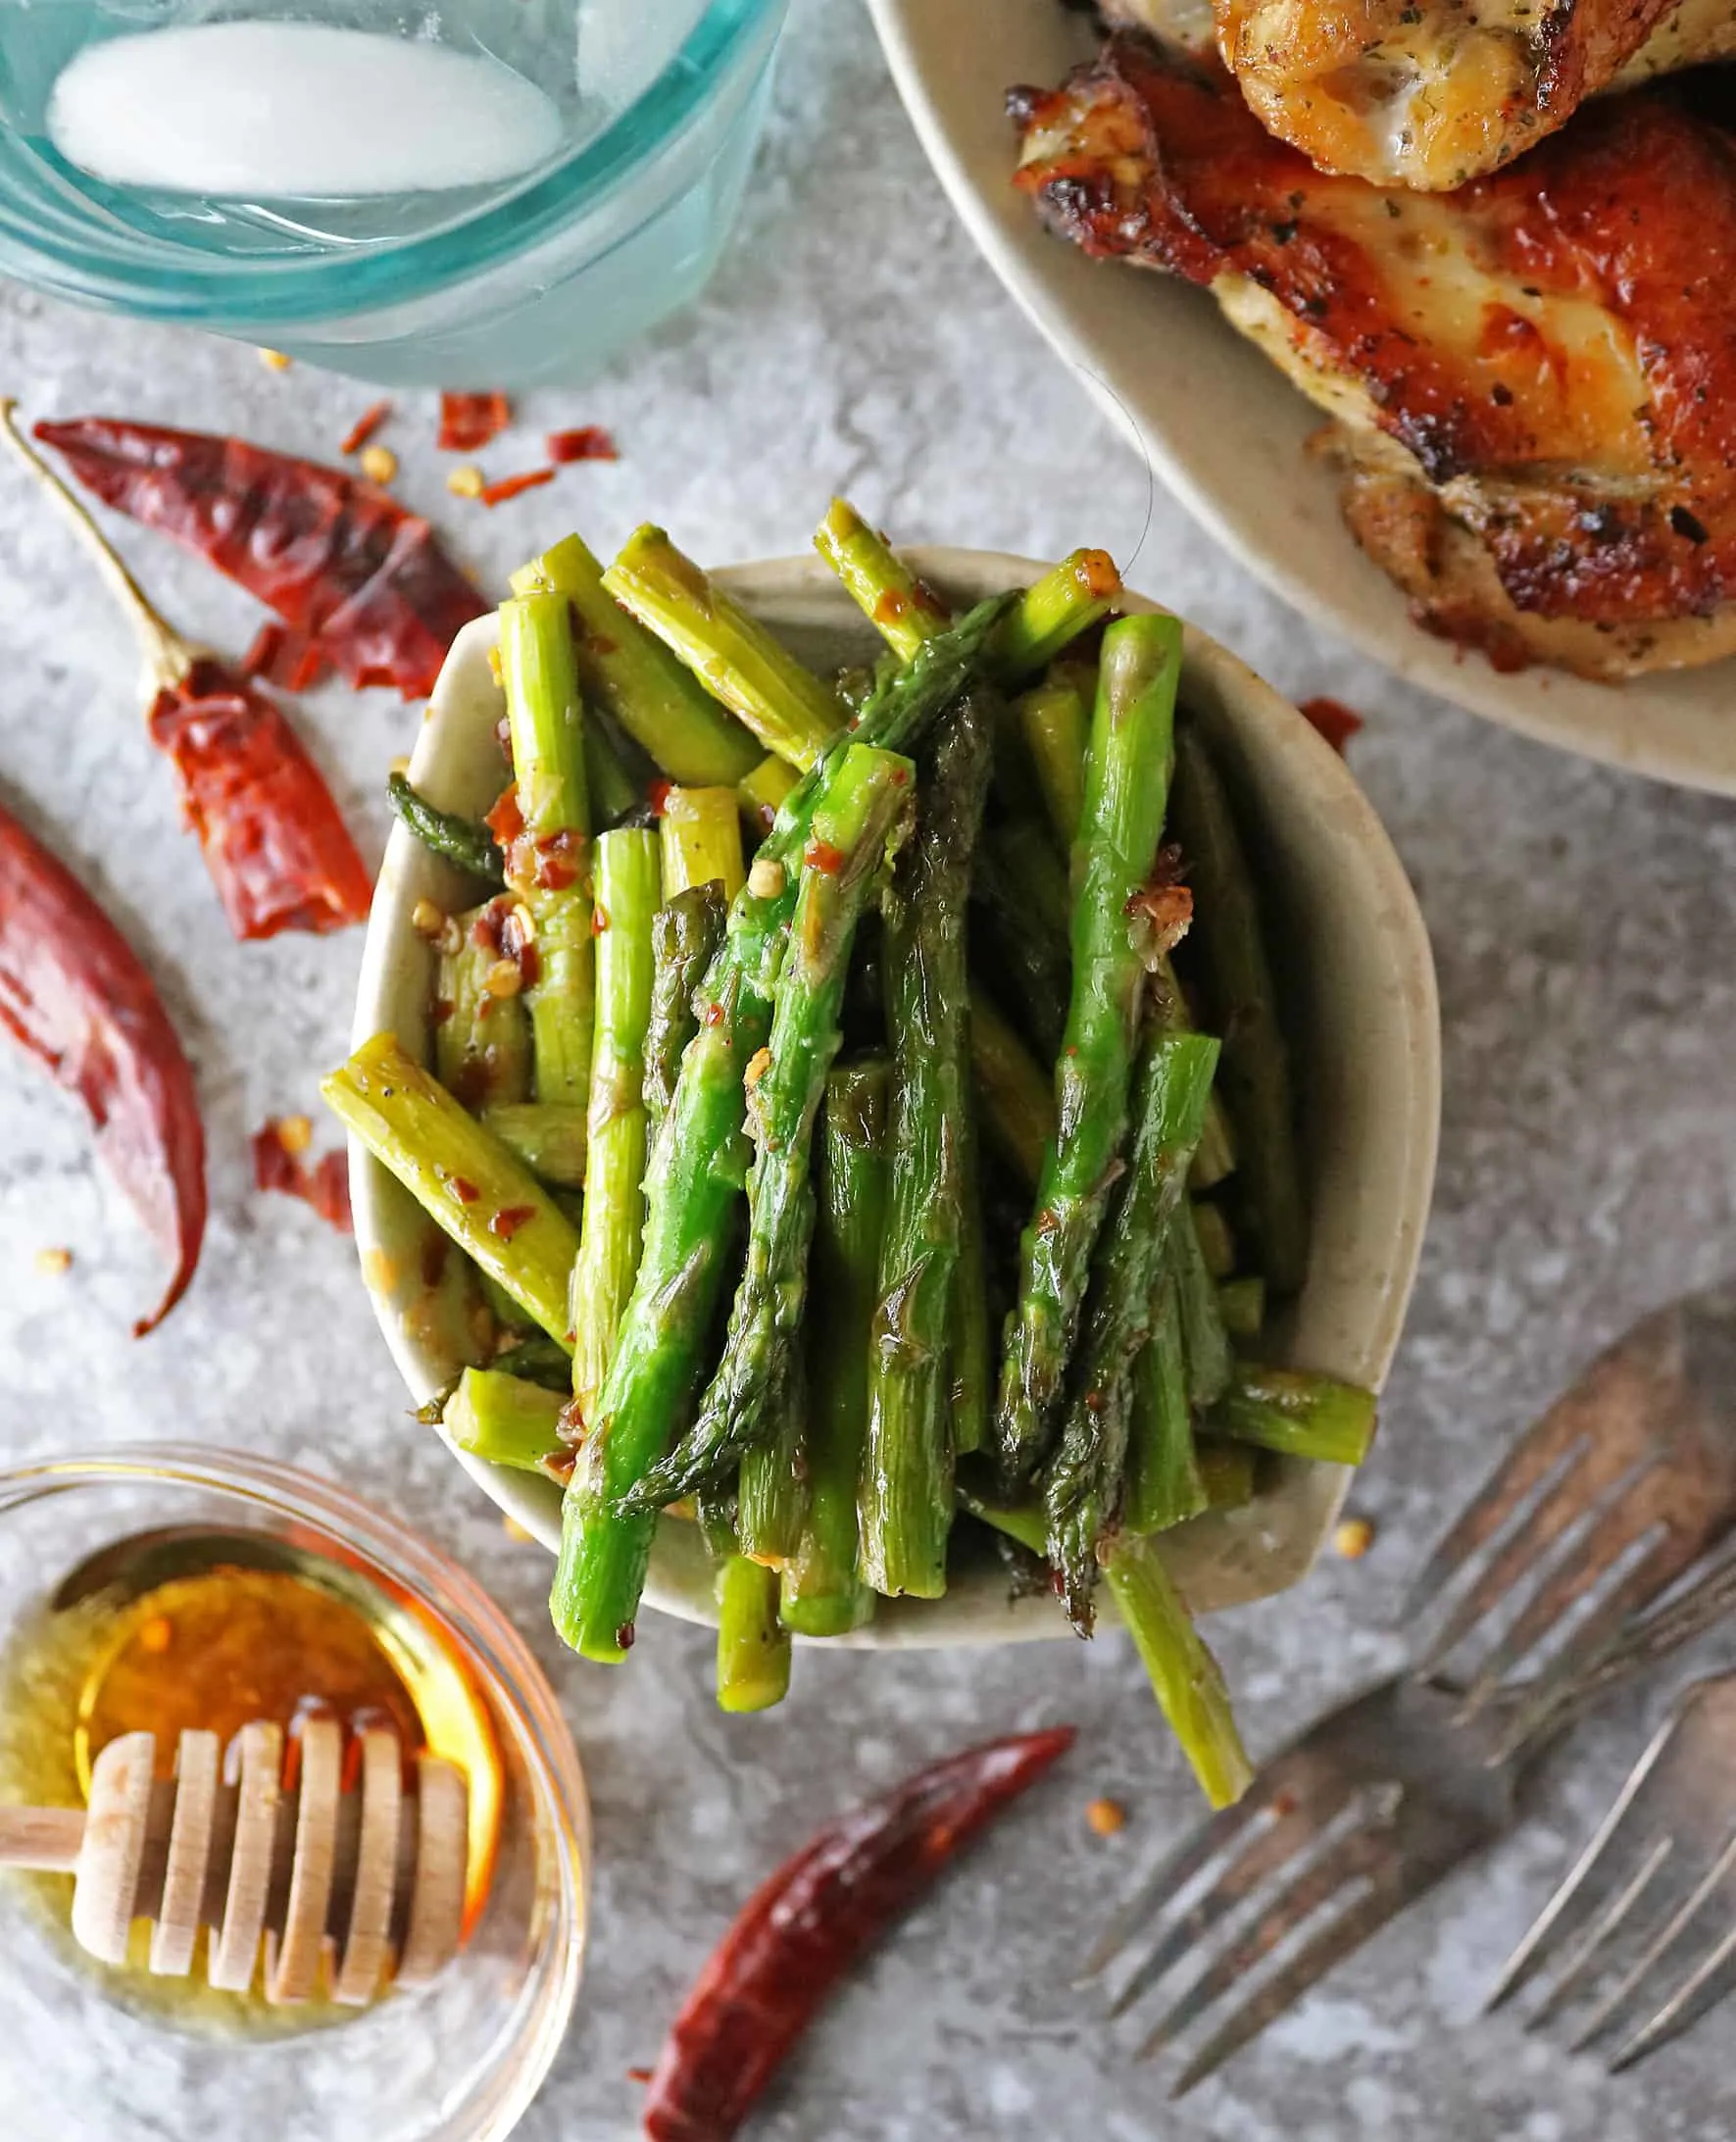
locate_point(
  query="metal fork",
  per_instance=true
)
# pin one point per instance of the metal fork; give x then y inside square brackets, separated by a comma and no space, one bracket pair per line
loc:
[1599,1508]
[1642,1935]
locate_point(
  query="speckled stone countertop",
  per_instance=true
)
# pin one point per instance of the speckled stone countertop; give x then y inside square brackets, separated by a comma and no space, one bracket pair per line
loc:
[1582,923]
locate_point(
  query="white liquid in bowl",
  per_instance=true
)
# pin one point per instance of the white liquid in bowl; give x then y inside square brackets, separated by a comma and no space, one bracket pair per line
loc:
[296,110]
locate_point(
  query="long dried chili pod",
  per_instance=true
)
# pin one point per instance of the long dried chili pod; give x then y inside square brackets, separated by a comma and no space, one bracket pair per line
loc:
[805,1927]
[75,995]
[276,845]
[339,560]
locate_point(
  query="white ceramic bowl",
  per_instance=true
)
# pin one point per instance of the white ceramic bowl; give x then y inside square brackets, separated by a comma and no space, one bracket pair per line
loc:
[1368,1050]
[1223,427]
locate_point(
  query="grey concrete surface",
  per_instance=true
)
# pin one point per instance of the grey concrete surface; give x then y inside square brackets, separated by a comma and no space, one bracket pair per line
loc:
[1582,923]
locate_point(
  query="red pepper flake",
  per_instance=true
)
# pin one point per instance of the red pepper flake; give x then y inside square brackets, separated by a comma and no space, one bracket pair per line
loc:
[623,1636]
[657,796]
[464,1189]
[443,1009]
[497,494]
[363,580]
[505,821]
[277,1164]
[586,442]
[559,1464]
[891,607]
[821,855]
[510,1219]
[639,2074]
[468,421]
[1334,721]
[599,919]
[365,426]
[712,1016]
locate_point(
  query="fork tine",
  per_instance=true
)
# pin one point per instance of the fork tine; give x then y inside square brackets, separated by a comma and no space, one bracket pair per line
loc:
[1585,1951]
[1604,1414]
[1362,1854]
[1271,1849]
[1661,1942]
[1680,2005]
[1179,1867]
[1566,1500]
[1574,1577]
[1518,1966]
[1569,1687]
[1542,1446]
[1356,1924]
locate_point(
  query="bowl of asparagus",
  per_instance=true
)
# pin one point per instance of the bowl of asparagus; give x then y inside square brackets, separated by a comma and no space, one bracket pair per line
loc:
[894,1102]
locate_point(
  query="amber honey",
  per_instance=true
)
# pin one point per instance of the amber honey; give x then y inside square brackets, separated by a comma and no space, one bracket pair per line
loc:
[202,1630]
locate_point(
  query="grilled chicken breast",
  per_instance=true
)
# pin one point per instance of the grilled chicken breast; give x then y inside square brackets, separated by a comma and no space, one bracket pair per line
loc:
[1532,382]
[1428,93]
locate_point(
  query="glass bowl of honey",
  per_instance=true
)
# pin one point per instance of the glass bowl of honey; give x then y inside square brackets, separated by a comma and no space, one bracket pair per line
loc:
[159,1588]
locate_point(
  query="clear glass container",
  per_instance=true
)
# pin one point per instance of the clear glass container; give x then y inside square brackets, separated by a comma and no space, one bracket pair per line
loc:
[90,2051]
[477,193]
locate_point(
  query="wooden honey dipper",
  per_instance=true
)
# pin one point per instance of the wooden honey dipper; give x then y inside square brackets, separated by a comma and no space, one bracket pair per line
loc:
[240,1854]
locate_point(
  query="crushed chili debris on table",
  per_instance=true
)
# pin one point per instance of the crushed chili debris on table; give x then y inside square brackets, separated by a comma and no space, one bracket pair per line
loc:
[77,998]
[584,442]
[469,422]
[1335,722]
[363,578]
[802,1930]
[1105,1818]
[279,1164]
[497,494]
[365,426]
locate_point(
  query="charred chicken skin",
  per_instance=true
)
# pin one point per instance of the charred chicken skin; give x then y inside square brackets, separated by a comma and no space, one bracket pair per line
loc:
[1532,382]
[1429,93]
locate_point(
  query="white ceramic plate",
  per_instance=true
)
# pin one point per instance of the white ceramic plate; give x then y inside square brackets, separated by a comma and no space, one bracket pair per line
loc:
[1220,424]
[1363,1000]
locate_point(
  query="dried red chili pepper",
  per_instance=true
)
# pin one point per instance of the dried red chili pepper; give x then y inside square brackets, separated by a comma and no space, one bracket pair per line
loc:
[77,996]
[497,494]
[335,558]
[324,1185]
[469,420]
[1336,721]
[276,845]
[584,442]
[802,1930]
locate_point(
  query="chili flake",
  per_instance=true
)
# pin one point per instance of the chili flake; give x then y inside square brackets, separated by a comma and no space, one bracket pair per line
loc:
[324,1185]
[468,421]
[497,494]
[586,442]
[821,855]
[463,1188]
[510,1219]
[365,426]
[1334,721]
